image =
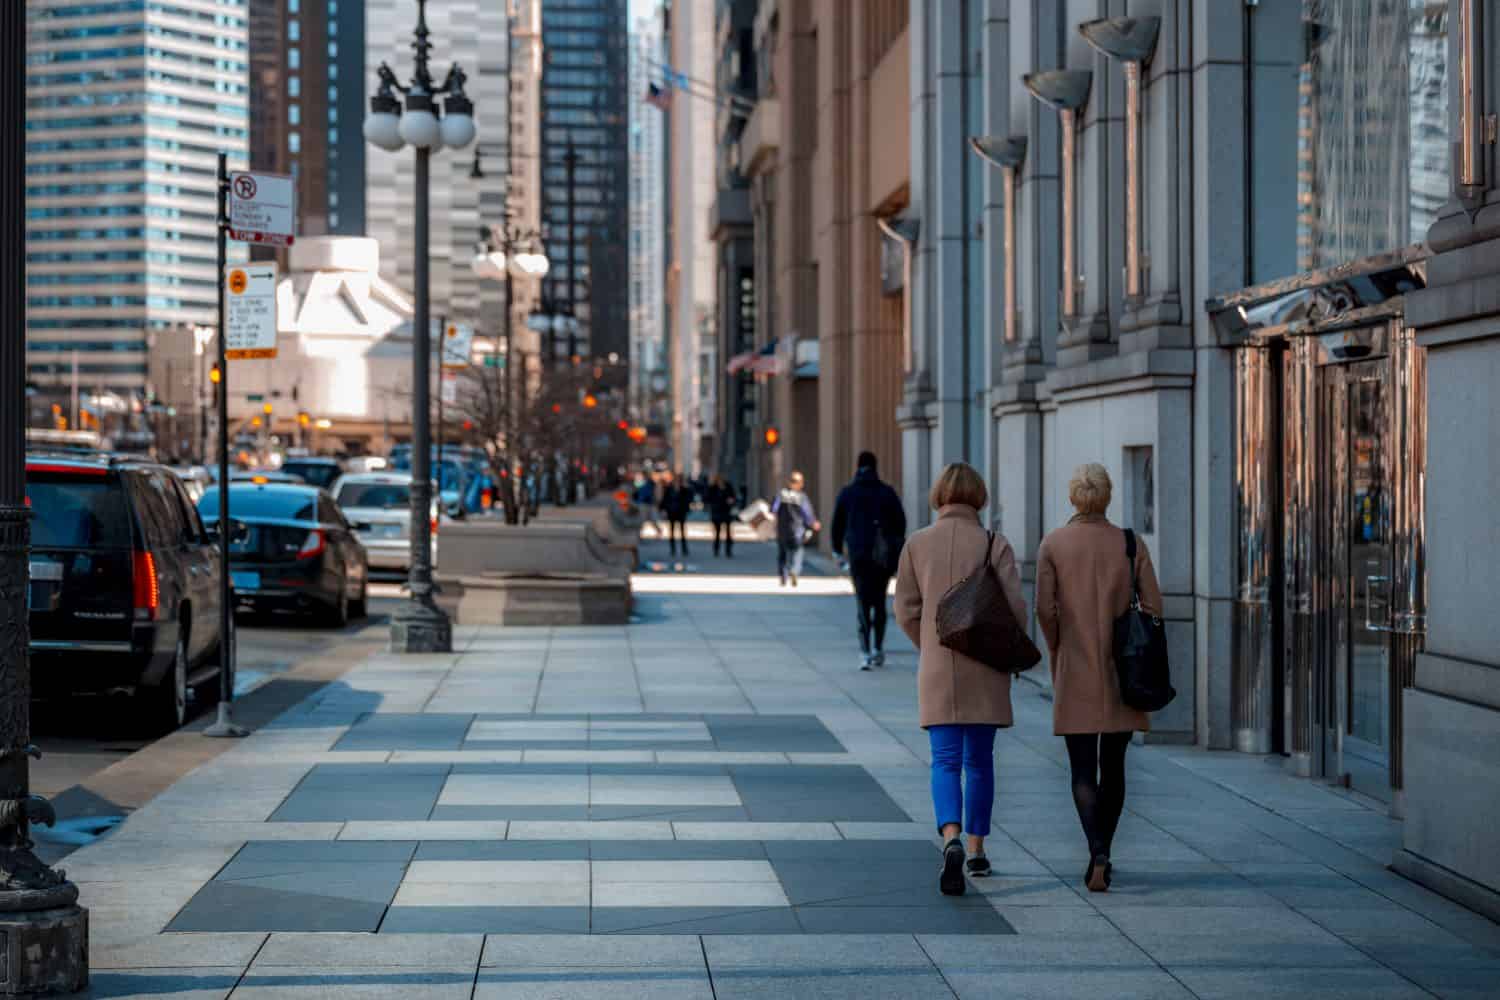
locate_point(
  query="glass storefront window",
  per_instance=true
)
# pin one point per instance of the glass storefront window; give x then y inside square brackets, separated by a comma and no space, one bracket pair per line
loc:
[1372,151]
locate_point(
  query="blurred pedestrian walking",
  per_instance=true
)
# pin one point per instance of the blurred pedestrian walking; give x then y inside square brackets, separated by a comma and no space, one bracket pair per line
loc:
[1083,583]
[721,500]
[676,503]
[645,498]
[796,523]
[869,526]
[961,701]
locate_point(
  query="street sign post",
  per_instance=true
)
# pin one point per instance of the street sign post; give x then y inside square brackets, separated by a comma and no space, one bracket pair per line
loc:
[250,329]
[262,208]
[458,344]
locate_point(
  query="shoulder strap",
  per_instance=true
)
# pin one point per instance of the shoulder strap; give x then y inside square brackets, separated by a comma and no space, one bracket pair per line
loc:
[1135,589]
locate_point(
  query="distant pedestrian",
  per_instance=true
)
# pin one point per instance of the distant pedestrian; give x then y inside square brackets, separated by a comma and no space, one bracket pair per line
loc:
[796,523]
[644,495]
[676,503]
[721,500]
[1082,585]
[869,526]
[961,702]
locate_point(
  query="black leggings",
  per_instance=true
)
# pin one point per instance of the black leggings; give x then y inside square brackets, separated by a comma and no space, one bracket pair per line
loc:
[677,530]
[869,590]
[724,530]
[1098,762]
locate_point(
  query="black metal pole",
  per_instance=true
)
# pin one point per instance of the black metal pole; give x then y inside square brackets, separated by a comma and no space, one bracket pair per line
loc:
[46,957]
[223,725]
[420,626]
[513,490]
[571,161]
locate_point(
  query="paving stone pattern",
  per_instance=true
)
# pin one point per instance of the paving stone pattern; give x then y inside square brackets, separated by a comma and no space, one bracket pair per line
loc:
[712,803]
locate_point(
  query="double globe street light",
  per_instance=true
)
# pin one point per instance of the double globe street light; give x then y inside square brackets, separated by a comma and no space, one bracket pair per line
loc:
[420,626]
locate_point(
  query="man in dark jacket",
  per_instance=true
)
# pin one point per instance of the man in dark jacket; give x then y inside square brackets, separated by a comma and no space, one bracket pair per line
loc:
[869,526]
[676,503]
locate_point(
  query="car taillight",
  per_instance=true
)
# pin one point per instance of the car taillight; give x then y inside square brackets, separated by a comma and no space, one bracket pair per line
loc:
[433,525]
[147,589]
[313,545]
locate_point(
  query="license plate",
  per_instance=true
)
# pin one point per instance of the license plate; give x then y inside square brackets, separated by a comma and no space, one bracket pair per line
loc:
[245,581]
[45,569]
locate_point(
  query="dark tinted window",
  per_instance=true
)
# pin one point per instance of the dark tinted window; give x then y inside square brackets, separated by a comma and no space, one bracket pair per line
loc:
[319,474]
[190,519]
[157,508]
[282,503]
[390,496]
[78,512]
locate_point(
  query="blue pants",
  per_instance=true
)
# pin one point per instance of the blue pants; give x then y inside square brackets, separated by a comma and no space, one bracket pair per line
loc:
[970,748]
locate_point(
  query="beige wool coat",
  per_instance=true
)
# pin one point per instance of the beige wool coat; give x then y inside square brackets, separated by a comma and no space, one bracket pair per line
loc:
[1082,586]
[951,687]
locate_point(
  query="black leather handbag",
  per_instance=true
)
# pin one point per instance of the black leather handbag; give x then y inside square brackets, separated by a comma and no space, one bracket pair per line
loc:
[1141,649]
[975,618]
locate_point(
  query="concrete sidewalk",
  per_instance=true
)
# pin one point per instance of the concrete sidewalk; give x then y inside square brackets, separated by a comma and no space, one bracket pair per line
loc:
[715,802]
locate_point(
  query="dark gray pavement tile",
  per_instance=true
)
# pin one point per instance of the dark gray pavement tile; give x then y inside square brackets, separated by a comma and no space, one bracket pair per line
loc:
[341,792]
[685,982]
[1065,982]
[866,883]
[580,951]
[180,984]
[693,920]
[288,983]
[1372,983]
[797,793]
[478,813]
[934,919]
[406,731]
[815,984]
[501,850]
[671,814]
[853,852]
[373,881]
[1101,947]
[789,733]
[677,850]
[486,920]
[235,906]
[326,850]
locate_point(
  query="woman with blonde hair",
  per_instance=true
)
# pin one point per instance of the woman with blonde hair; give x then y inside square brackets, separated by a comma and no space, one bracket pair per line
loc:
[961,702]
[1083,583]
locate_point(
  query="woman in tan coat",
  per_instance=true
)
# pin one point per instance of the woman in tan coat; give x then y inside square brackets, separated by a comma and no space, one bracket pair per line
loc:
[1082,586]
[961,701]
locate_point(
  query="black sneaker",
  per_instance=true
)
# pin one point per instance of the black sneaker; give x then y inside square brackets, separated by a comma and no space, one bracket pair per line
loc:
[978,867]
[951,881]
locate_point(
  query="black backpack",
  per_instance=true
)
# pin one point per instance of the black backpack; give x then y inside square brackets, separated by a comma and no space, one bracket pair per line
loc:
[1141,649]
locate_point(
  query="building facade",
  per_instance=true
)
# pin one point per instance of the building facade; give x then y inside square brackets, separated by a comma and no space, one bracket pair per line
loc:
[1242,255]
[473,34]
[585,214]
[128,107]
[827,164]
[648,192]
[691,172]
[307,85]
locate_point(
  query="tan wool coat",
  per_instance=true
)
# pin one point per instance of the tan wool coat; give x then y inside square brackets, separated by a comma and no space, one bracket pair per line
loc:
[1082,586]
[951,687]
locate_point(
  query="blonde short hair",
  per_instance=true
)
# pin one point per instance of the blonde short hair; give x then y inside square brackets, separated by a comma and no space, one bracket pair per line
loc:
[1090,488]
[959,483]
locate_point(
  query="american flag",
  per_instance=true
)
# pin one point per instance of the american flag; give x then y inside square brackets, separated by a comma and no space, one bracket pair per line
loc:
[658,97]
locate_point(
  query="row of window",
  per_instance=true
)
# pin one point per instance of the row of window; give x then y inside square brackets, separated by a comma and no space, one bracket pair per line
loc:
[115,302]
[84,346]
[104,9]
[36,81]
[49,57]
[35,280]
[119,142]
[137,28]
[108,166]
[118,97]
[118,212]
[118,256]
[117,233]
[91,368]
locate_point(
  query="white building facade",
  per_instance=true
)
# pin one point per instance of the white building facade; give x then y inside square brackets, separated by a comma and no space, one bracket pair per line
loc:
[128,107]
[647,221]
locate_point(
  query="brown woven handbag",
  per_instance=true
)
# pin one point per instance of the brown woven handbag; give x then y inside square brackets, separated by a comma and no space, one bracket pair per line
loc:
[975,618]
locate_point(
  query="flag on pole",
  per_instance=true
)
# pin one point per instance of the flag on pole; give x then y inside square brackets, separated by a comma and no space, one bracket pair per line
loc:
[659,98]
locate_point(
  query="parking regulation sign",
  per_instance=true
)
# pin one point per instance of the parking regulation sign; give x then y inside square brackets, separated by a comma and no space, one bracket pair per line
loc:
[458,344]
[261,208]
[250,311]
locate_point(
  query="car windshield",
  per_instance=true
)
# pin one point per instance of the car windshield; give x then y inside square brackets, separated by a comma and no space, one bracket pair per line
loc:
[319,474]
[257,501]
[78,513]
[389,496]
[448,472]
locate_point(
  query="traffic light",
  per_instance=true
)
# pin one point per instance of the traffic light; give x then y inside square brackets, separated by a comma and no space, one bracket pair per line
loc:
[303,419]
[215,376]
[266,409]
[773,437]
[590,401]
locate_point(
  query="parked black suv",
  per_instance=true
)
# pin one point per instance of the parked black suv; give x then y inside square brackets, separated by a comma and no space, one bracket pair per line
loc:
[124,584]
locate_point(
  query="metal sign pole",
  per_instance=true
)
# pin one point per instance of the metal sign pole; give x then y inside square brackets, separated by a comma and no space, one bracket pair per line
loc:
[224,726]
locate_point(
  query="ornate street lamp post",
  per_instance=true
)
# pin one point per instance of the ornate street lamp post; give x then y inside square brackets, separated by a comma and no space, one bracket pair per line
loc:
[421,626]
[43,930]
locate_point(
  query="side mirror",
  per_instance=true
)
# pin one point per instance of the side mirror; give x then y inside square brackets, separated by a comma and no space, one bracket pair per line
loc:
[362,526]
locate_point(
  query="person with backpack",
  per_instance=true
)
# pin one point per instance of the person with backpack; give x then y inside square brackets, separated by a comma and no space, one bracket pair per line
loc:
[869,526]
[676,503]
[796,523]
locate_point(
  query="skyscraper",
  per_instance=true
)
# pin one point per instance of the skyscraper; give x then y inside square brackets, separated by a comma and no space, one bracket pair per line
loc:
[128,105]
[584,110]
[474,35]
[307,85]
[647,221]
